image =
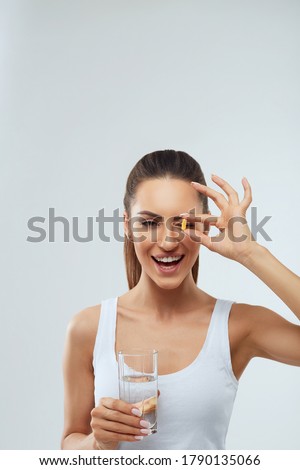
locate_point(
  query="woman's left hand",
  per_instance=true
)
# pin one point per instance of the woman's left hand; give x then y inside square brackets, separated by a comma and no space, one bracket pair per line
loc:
[235,240]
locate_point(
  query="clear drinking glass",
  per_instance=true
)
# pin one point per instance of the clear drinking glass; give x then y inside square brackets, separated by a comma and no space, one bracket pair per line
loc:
[138,381]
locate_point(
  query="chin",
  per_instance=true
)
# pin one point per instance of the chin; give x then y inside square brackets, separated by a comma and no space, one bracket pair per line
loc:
[168,284]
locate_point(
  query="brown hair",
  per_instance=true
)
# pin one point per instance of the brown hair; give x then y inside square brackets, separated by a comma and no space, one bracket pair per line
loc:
[159,164]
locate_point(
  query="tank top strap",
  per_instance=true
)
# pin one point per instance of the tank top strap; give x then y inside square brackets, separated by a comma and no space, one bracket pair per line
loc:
[105,339]
[217,342]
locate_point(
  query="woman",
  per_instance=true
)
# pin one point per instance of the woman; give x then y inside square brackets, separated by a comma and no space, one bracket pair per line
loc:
[204,343]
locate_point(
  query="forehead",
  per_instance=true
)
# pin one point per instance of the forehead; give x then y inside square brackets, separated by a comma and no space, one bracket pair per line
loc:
[166,197]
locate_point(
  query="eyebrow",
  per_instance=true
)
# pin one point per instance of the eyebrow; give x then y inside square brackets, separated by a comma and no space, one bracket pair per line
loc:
[158,216]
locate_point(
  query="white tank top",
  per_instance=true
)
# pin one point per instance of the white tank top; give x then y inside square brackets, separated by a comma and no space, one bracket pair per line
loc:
[195,403]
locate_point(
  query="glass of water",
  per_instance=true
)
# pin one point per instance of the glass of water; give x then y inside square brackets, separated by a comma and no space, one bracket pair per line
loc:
[138,381]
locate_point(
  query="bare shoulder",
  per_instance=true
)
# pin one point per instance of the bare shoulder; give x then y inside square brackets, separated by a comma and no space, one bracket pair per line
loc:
[248,320]
[242,314]
[244,322]
[251,314]
[270,335]
[83,326]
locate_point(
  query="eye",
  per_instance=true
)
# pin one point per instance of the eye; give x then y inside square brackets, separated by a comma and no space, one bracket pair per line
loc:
[149,223]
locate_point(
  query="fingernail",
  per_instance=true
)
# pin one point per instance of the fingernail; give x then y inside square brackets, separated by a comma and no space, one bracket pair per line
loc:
[145,423]
[139,438]
[146,431]
[136,412]
[195,182]
[184,214]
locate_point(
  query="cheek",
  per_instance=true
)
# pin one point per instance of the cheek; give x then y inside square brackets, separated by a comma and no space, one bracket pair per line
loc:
[190,244]
[142,247]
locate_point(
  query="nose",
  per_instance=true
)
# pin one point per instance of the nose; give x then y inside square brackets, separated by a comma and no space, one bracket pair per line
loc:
[167,238]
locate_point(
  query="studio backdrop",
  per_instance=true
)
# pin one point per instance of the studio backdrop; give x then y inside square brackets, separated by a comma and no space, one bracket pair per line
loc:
[88,88]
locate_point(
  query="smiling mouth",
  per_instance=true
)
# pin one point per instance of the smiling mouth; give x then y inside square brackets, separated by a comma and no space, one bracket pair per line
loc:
[171,263]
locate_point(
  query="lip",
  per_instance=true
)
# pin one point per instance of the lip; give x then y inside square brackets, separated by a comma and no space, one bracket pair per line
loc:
[168,270]
[166,255]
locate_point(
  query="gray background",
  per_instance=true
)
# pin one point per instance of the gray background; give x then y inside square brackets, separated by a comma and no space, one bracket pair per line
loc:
[89,87]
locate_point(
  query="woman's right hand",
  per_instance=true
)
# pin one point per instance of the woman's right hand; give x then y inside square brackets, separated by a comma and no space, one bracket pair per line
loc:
[115,420]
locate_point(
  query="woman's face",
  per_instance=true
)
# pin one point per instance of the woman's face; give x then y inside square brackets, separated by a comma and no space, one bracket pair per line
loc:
[160,235]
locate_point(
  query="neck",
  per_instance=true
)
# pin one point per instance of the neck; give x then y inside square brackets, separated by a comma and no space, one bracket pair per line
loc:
[166,302]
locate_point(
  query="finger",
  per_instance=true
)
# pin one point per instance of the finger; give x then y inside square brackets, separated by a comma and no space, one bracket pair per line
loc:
[109,436]
[199,237]
[120,428]
[101,414]
[204,239]
[147,405]
[205,218]
[202,222]
[118,405]
[218,198]
[231,193]
[247,194]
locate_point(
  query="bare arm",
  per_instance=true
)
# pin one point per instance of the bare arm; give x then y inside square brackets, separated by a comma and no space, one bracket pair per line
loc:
[79,382]
[271,335]
[281,280]
[89,426]
[79,442]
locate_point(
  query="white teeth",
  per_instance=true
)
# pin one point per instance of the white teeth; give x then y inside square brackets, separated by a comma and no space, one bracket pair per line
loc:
[168,259]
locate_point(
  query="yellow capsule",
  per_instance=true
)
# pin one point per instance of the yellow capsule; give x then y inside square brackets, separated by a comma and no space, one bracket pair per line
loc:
[183,224]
